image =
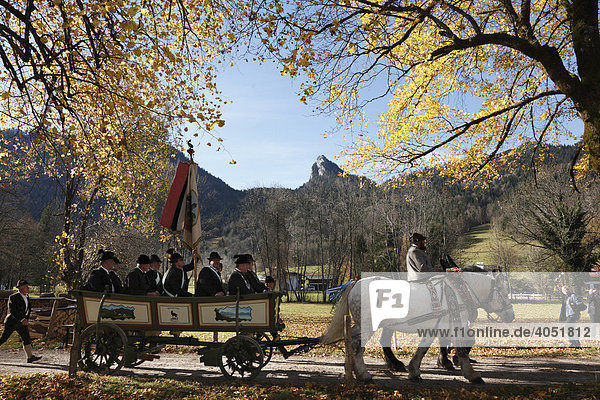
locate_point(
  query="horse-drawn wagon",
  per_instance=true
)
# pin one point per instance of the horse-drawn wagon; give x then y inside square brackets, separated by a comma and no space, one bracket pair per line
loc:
[117,330]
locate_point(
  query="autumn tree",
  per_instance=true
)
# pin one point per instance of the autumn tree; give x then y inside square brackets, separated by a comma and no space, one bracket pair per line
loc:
[266,218]
[16,228]
[466,82]
[96,91]
[546,215]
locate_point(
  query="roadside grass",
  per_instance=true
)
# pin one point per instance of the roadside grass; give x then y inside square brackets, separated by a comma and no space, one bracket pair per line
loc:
[13,342]
[89,386]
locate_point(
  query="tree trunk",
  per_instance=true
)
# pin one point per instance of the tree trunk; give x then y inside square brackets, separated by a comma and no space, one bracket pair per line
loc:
[591,138]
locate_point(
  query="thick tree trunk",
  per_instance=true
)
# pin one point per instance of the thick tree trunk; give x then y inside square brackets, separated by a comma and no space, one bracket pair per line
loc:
[591,138]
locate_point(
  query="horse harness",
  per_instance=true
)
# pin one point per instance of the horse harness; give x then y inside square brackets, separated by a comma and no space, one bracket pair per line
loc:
[458,287]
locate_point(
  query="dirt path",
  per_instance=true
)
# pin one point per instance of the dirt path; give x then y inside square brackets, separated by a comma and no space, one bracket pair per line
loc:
[298,370]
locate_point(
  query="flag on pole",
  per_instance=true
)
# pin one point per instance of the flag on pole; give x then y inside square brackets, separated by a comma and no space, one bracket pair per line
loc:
[181,213]
[175,200]
[192,232]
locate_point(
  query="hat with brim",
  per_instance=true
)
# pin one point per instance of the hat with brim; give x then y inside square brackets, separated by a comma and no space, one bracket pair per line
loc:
[174,257]
[22,282]
[417,237]
[106,255]
[243,259]
[214,256]
[143,259]
[155,258]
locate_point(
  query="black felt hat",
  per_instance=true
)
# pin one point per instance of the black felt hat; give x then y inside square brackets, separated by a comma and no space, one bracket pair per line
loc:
[243,258]
[155,258]
[143,259]
[22,282]
[417,237]
[214,256]
[106,255]
[174,256]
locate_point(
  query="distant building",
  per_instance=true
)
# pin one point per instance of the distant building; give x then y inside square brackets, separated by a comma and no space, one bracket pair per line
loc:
[318,282]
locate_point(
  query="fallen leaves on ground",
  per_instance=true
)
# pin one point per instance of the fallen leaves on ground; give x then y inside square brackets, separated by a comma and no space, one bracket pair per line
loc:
[88,386]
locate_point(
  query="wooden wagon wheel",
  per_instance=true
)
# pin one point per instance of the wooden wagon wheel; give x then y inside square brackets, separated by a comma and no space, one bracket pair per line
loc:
[102,349]
[241,357]
[267,350]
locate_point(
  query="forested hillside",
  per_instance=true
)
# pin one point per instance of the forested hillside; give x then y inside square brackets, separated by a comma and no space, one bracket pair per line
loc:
[336,226]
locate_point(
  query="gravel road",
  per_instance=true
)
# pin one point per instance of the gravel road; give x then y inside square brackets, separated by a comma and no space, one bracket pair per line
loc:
[298,369]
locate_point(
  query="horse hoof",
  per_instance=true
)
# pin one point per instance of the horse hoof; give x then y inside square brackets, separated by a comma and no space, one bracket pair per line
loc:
[397,367]
[446,364]
[456,361]
[478,381]
[416,379]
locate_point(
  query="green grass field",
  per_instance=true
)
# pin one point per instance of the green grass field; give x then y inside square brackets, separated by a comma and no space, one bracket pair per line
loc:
[479,243]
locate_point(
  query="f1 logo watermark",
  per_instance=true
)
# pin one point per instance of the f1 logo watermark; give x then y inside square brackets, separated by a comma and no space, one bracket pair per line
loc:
[389,299]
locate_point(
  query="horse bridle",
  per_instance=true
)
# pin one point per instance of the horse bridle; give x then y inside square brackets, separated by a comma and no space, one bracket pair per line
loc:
[482,304]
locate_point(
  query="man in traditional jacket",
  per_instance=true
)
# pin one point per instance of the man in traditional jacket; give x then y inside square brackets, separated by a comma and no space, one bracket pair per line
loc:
[256,284]
[417,259]
[239,277]
[114,277]
[209,281]
[137,282]
[154,275]
[99,278]
[17,319]
[176,281]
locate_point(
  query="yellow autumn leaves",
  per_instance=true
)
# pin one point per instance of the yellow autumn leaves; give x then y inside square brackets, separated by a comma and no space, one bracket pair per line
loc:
[460,86]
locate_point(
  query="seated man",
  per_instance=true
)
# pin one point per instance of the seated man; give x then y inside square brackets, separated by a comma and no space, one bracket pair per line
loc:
[256,284]
[270,282]
[239,277]
[114,278]
[137,280]
[209,279]
[176,281]
[100,278]
[154,275]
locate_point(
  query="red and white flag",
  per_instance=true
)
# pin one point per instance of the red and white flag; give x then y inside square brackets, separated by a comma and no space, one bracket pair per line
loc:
[181,213]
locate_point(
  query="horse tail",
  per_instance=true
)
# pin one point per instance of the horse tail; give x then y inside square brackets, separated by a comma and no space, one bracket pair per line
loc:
[335,330]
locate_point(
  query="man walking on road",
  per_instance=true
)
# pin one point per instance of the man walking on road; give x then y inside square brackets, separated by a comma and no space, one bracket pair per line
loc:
[17,319]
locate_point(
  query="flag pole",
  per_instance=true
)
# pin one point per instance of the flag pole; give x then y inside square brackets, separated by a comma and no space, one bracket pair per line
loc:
[190,151]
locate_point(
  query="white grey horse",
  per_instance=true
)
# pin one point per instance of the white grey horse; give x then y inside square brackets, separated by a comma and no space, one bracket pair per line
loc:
[472,290]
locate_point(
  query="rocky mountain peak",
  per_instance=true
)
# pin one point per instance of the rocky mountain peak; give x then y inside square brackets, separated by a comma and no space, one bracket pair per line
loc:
[324,168]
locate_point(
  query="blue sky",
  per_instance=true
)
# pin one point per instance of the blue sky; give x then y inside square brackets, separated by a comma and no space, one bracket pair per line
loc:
[274,137]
